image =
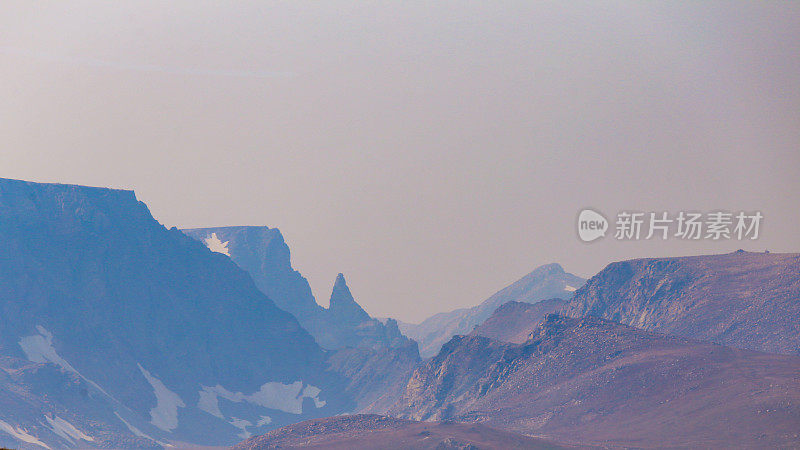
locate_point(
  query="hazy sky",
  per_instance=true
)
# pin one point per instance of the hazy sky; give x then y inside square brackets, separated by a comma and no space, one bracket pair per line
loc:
[431,151]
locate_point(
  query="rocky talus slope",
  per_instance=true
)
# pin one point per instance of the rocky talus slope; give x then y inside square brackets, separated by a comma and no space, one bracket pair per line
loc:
[589,381]
[741,299]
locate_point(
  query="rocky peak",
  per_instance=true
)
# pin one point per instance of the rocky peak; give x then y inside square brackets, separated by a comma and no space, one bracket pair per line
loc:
[342,304]
[552,268]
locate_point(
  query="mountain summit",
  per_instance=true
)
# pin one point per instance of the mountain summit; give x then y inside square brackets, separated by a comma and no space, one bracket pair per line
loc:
[545,282]
[343,306]
[264,254]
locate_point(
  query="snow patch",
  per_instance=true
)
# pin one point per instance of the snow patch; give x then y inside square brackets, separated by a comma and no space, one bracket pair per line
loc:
[264,420]
[133,429]
[139,433]
[66,430]
[242,425]
[20,434]
[569,288]
[280,396]
[272,395]
[312,392]
[209,403]
[39,348]
[216,245]
[165,414]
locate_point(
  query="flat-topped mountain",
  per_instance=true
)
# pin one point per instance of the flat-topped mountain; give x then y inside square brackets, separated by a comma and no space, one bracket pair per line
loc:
[263,253]
[545,282]
[741,299]
[175,341]
[588,381]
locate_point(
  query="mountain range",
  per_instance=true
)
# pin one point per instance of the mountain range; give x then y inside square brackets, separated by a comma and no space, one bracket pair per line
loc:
[590,381]
[545,282]
[116,332]
[548,369]
[141,331]
[263,253]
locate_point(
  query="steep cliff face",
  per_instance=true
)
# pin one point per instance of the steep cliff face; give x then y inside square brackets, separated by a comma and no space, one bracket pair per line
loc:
[376,377]
[746,300]
[263,253]
[545,282]
[175,339]
[588,381]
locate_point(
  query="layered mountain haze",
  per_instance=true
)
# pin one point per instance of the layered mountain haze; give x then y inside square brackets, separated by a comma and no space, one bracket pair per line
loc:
[741,299]
[166,339]
[263,253]
[545,282]
[589,381]
[116,332]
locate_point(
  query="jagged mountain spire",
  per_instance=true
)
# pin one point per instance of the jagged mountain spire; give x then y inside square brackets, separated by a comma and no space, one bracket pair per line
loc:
[342,304]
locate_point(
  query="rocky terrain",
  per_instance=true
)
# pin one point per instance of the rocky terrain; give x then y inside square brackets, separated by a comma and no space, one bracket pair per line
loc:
[380,432]
[591,381]
[514,321]
[116,332]
[545,282]
[263,253]
[745,300]
[373,358]
[167,340]
[376,378]
[41,405]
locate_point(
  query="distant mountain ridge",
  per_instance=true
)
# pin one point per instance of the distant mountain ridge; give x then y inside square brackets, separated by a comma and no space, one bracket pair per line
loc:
[545,282]
[263,253]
